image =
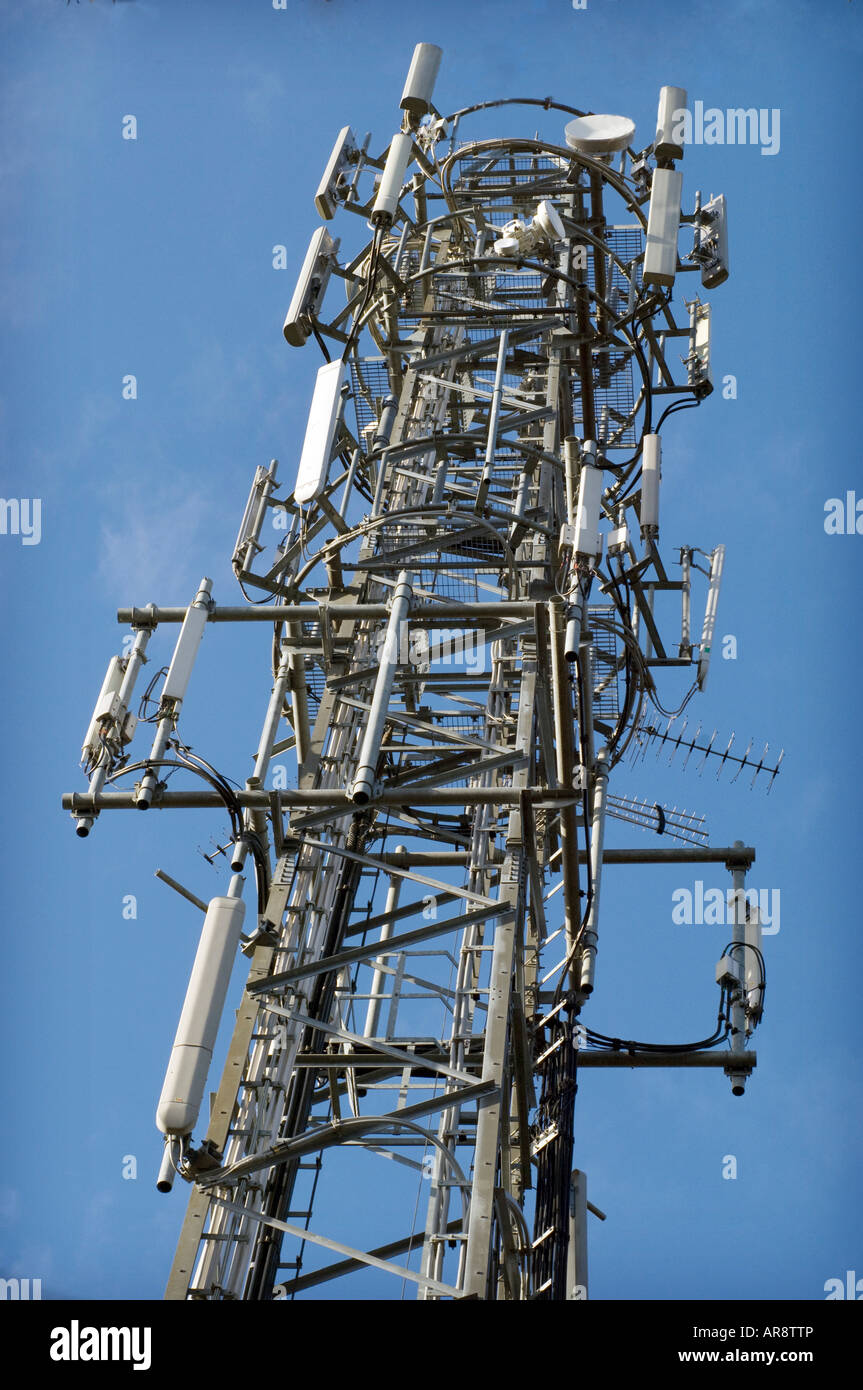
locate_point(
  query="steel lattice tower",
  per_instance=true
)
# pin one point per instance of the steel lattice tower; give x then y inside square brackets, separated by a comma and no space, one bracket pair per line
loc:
[464,648]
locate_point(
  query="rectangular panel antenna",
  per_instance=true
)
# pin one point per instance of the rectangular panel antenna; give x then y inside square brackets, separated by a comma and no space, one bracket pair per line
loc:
[663,224]
[320,432]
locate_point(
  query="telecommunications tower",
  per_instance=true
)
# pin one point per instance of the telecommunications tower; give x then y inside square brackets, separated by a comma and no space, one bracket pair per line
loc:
[465,643]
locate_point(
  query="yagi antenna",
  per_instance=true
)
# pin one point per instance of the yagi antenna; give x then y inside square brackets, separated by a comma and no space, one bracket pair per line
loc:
[648,734]
[677,825]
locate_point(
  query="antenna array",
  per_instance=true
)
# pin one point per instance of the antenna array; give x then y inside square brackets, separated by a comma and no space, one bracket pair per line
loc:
[465,641]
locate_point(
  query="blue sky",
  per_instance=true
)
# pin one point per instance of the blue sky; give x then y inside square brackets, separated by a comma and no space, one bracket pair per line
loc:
[154,257]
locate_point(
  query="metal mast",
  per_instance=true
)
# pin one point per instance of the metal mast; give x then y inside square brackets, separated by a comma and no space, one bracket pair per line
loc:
[464,648]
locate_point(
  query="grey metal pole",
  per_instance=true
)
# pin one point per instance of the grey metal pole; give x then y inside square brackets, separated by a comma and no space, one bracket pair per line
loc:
[270,728]
[362,788]
[469,614]
[563,726]
[738,952]
[376,991]
[576,1255]
[597,835]
[685,648]
[493,419]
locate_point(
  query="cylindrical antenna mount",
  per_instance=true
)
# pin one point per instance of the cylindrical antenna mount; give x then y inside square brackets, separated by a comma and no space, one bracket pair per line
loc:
[395,169]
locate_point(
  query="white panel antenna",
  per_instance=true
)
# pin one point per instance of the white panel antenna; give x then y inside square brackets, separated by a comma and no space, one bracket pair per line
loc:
[417,95]
[247,546]
[713,243]
[309,293]
[698,361]
[188,642]
[651,472]
[105,710]
[669,119]
[588,541]
[320,432]
[344,153]
[663,224]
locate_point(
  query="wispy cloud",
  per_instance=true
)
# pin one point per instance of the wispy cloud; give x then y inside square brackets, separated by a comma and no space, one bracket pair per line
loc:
[10,1205]
[150,550]
[264,94]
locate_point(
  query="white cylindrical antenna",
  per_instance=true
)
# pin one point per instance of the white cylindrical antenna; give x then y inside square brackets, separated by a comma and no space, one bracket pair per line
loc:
[390,187]
[186,1076]
[663,225]
[571,639]
[362,788]
[651,471]
[422,75]
[670,120]
[716,564]
[320,431]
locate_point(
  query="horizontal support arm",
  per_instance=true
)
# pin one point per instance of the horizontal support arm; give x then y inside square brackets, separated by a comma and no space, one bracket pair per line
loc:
[311,613]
